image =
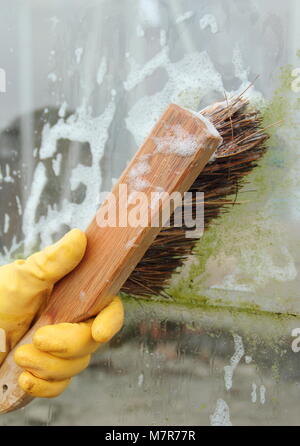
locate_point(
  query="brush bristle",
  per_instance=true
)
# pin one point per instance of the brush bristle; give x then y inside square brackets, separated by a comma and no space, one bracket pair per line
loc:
[243,145]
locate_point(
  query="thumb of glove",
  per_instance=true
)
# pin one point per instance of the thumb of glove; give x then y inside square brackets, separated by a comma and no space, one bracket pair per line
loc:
[25,284]
[57,260]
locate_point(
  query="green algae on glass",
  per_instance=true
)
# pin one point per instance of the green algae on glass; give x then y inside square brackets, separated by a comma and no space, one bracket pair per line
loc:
[283,105]
[247,250]
[253,326]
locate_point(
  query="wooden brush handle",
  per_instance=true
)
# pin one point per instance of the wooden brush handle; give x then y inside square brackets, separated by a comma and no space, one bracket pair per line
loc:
[113,252]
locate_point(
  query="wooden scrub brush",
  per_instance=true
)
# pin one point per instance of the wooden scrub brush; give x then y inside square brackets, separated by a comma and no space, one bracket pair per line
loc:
[140,260]
[241,149]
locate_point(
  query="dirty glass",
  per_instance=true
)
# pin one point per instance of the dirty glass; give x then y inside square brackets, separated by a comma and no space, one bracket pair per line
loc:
[82,83]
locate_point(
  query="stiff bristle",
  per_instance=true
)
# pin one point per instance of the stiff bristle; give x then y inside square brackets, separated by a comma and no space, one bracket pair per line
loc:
[243,145]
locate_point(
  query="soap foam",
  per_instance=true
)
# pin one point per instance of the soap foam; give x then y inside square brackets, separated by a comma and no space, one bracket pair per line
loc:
[81,127]
[209,20]
[141,168]
[221,415]
[183,17]
[62,110]
[78,55]
[209,125]
[52,77]
[56,164]
[189,80]
[179,142]
[19,205]
[101,71]
[6,223]
[254,393]
[139,72]
[234,361]
[6,176]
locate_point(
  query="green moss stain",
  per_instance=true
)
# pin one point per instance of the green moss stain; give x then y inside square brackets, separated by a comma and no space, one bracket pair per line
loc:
[247,245]
[283,105]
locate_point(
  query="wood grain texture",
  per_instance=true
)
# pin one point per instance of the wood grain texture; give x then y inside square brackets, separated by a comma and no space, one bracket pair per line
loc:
[113,252]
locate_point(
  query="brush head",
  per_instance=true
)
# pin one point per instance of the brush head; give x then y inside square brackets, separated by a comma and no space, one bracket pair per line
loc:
[242,147]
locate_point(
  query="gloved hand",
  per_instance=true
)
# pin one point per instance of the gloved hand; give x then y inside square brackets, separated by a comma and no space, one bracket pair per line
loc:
[58,351]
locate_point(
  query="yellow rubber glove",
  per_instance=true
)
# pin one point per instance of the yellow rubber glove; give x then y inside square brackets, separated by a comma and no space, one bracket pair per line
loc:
[58,351]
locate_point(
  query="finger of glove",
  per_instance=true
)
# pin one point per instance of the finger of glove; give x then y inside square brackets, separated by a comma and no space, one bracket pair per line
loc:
[66,340]
[40,388]
[57,260]
[48,367]
[109,321]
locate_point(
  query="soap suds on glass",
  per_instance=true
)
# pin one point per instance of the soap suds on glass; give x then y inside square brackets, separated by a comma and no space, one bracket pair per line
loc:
[19,205]
[234,361]
[6,177]
[183,17]
[221,415]
[56,164]
[262,394]
[188,82]
[82,127]
[52,77]
[62,110]
[6,223]
[102,70]
[78,55]
[209,20]
[141,380]
[253,393]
